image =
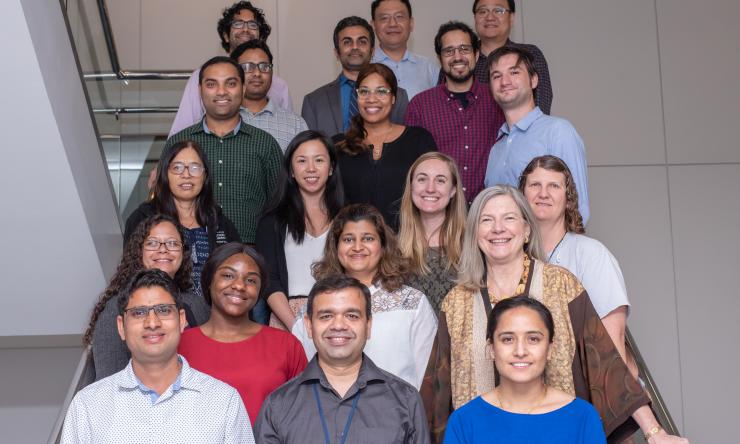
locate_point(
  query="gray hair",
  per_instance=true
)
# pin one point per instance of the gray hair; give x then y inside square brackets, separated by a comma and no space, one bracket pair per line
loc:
[472,263]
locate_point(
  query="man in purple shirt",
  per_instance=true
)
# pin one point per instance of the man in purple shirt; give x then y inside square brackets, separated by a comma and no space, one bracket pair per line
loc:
[460,114]
[239,23]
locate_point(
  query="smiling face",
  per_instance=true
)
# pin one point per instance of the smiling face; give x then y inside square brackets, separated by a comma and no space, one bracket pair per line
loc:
[490,26]
[162,258]
[257,83]
[311,167]
[511,85]
[520,346]
[151,340]
[375,107]
[359,250]
[502,231]
[185,186]
[392,24]
[339,326]
[458,68]
[432,186]
[545,192]
[355,48]
[235,286]
[221,91]
[238,36]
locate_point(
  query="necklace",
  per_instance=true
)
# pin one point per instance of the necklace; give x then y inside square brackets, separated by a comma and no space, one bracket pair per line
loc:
[549,258]
[542,398]
[519,288]
[378,147]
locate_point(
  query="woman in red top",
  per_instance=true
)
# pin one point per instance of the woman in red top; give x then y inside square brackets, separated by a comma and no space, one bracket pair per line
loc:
[253,358]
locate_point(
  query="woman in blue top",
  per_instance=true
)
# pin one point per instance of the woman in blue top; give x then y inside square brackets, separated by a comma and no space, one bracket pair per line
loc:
[522,408]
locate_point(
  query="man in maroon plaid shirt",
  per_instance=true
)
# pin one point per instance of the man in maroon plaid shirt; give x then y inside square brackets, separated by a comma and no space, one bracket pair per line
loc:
[460,113]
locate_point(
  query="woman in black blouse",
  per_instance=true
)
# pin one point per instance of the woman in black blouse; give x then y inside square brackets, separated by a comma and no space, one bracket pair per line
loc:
[375,153]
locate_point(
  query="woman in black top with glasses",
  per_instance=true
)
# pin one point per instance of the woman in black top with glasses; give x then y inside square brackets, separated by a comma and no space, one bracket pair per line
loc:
[375,154]
[184,192]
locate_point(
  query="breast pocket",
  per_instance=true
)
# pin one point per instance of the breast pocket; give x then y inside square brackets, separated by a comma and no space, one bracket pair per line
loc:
[377,435]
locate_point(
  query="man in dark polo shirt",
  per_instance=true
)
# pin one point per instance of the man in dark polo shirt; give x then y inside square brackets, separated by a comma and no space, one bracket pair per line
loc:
[244,161]
[341,397]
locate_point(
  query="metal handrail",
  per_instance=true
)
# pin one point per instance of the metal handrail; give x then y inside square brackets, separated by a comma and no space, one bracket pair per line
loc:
[137,110]
[138,75]
[83,376]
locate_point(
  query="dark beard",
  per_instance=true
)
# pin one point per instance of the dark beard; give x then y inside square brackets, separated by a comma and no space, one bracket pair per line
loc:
[458,79]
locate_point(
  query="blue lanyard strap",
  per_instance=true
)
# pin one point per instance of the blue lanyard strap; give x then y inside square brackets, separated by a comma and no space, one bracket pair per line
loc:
[327,438]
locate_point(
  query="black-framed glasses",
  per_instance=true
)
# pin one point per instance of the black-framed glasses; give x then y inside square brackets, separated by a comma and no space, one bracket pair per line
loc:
[261,66]
[398,18]
[381,92]
[250,24]
[162,311]
[450,50]
[154,244]
[195,169]
[498,11]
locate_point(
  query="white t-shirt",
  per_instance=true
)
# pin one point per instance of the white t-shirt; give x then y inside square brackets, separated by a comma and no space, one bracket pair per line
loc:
[298,259]
[403,331]
[597,269]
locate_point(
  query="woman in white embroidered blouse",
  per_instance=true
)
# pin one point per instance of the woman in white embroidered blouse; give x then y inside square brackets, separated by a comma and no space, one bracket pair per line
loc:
[362,246]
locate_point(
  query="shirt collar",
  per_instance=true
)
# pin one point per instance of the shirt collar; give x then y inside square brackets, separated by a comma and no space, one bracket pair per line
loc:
[368,372]
[268,109]
[525,122]
[381,56]
[236,128]
[473,91]
[343,80]
[127,379]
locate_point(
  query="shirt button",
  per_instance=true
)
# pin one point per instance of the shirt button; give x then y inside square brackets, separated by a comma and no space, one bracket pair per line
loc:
[221,140]
[465,168]
[465,127]
[466,147]
[459,109]
[465,189]
[220,161]
[220,184]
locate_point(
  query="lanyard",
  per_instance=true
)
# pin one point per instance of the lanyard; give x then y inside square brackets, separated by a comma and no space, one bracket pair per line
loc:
[327,438]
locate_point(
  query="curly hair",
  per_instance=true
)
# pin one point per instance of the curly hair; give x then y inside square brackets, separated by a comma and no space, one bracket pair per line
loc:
[393,268]
[573,219]
[132,262]
[224,24]
[353,142]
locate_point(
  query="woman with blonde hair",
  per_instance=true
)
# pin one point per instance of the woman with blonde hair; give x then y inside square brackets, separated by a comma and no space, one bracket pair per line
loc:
[432,224]
[502,257]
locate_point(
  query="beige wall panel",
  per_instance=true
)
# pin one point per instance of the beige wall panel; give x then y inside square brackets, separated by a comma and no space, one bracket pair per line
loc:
[699,48]
[630,215]
[605,74]
[705,207]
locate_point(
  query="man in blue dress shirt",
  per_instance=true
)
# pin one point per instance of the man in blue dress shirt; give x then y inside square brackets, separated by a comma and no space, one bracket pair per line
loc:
[528,132]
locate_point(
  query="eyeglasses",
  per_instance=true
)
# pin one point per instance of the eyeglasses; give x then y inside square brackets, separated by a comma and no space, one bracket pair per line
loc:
[386,18]
[450,50]
[380,93]
[250,24]
[195,169]
[498,11]
[163,311]
[261,66]
[154,245]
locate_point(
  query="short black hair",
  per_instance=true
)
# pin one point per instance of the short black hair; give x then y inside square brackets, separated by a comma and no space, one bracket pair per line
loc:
[524,57]
[374,5]
[515,302]
[512,5]
[217,60]
[455,26]
[334,283]
[146,279]
[353,21]
[252,44]
[224,24]
[219,256]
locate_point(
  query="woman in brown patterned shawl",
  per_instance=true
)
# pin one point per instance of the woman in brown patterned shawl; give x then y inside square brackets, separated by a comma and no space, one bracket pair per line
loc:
[502,257]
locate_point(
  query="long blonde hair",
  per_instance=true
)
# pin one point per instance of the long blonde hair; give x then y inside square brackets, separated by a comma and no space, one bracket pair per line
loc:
[472,262]
[411,237]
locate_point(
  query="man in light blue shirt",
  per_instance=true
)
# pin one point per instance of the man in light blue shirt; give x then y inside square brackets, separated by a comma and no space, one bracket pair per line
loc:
[393,24]
[528,132]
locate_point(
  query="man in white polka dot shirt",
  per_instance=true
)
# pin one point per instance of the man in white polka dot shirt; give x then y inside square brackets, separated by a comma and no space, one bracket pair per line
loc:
[157,398]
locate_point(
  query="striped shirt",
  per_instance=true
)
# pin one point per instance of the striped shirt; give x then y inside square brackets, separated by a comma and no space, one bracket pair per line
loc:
[464,133]
[244,166]
[120,409]
[282,124]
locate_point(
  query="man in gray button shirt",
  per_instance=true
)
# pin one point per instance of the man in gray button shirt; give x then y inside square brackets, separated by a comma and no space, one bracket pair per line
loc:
[341,397]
